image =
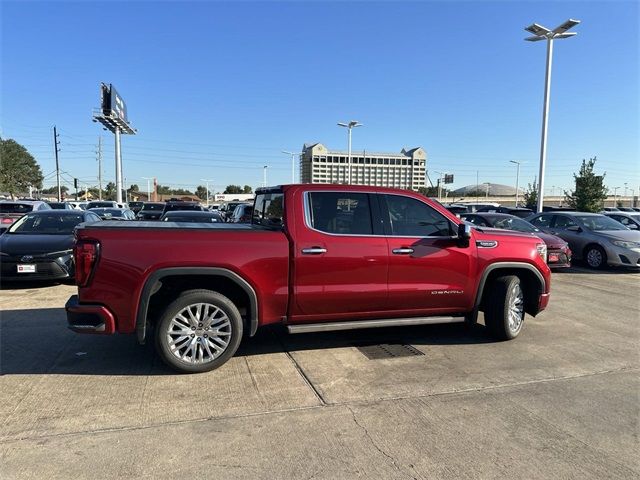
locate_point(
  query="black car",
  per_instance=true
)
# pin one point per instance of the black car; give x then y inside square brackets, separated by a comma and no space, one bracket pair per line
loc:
[60,206]
[151,211]
[192,216]
[179,205]
[113,213]
[38,246]
[516,211]
[135,207]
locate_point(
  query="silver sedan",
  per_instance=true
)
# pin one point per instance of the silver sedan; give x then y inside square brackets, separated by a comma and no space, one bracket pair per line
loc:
[594,238]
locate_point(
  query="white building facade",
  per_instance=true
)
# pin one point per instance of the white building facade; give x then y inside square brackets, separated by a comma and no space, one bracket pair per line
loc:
[406,170]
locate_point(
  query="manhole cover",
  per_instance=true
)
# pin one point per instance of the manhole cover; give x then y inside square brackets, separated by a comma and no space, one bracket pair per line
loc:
[379,351]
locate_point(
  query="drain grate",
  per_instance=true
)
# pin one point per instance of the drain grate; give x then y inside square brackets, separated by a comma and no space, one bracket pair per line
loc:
[379,351]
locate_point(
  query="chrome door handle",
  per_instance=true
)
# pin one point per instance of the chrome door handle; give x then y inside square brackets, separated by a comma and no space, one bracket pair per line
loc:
[402,251]
[314,251]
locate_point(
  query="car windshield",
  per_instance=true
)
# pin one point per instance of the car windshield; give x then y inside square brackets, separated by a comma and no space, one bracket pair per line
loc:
[46,224]
[153,206]
[513,223]
[15,208]
[108,212]
[599,223]
[100,204]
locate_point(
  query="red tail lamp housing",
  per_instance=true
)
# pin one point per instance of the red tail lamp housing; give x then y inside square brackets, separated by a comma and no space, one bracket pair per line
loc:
[86,254]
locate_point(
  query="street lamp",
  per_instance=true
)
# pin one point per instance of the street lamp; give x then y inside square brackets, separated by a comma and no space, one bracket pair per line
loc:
[148,179]
[517,179]
[293,164]
[543,33]
[264,175]
[615,196]
[349,126]
[207,182]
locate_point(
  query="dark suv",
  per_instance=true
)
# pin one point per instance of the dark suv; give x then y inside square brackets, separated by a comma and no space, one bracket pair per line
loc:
[178,205]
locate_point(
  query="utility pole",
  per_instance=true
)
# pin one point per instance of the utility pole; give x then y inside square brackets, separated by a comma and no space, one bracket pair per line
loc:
[264,176]
[349,126]
[55,146]
[99,168]
[148,179]
[440,175]
[293,165]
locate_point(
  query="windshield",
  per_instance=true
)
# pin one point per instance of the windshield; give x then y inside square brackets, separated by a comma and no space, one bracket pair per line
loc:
[599,223]
[15,208]
[99,204]
[46,224]
[191,218]
[112,212]
[153,206]
[512,223]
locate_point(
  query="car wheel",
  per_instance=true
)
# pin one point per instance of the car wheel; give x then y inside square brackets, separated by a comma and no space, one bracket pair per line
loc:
[199,331]
[504,311]
[596,257]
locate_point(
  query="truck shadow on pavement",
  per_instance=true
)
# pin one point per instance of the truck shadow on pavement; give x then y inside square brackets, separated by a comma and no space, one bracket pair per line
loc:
[37,341]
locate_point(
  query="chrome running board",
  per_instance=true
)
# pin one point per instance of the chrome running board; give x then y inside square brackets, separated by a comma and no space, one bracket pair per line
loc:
[382,322]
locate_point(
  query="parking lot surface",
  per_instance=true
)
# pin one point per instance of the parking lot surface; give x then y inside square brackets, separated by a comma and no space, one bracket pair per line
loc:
[561,401]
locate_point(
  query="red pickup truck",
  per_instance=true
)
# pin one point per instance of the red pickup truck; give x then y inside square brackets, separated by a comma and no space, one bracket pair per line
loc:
[314,258]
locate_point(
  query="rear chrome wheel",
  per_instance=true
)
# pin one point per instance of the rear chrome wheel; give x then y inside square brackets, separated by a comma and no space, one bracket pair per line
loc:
[199,331]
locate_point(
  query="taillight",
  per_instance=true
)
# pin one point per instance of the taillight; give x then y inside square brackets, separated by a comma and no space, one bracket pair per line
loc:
[86,257]
[7,220]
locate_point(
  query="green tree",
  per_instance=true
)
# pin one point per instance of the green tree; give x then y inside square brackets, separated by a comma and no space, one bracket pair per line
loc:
[247,189]
[163,190]
[181,191]
[231,189]
[590,192]
[54,190]
[110,191]
[19,169]
[531,196]
[201,192]
[134,188]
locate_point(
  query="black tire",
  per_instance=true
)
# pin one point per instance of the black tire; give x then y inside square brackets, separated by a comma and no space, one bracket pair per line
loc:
[499,314]
[595,257]
[202,339]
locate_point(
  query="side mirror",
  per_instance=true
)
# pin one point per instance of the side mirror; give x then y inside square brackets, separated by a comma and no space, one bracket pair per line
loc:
[464,234]
[574,228]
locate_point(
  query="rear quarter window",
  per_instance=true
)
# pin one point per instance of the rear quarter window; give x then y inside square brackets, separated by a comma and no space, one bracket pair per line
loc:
[268,210]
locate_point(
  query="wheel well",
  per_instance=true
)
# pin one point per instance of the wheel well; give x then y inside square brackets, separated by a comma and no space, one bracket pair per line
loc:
[529,282]
[168,288]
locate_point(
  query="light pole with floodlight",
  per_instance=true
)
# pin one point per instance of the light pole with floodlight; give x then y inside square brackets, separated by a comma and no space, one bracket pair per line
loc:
[264,175]
[148,179]
[293,164]
[543,33]
[615,196]
[352,124]
[517,179]
[207,182]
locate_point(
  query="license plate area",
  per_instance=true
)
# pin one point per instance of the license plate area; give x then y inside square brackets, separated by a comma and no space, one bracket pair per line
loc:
[26,268]
[554,257]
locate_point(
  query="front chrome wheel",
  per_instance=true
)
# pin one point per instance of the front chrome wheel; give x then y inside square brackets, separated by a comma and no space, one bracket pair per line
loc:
[199,333]
[595,258]
[516,308]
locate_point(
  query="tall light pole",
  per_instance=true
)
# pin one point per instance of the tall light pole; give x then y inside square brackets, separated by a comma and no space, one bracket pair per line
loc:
[293,164]
[148,179]
[207,182]
[264,175]
[543,33]
[615,196]
[517,179]
[352,124]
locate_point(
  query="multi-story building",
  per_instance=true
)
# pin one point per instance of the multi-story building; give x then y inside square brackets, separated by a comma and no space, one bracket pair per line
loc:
[406,169]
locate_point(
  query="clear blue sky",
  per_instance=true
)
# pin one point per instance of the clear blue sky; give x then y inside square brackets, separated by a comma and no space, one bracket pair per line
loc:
[217,89]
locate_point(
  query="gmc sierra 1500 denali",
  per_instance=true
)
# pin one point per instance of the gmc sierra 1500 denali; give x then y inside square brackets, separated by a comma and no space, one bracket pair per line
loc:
[314,258]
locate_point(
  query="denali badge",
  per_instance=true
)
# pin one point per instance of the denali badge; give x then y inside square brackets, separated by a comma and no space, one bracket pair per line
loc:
[447,292]
[486,243]
[26,258]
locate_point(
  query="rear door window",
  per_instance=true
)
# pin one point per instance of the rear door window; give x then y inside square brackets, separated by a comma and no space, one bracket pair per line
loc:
[268,210]
[341,213]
